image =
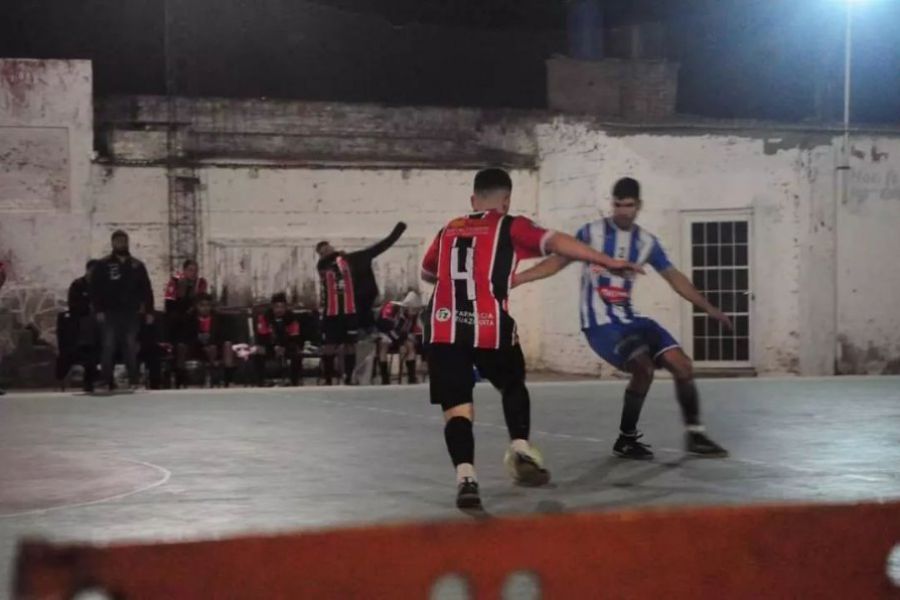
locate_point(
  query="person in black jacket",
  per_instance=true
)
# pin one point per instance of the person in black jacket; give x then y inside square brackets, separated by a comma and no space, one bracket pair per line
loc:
[82,313]
[122,296]
[348,293]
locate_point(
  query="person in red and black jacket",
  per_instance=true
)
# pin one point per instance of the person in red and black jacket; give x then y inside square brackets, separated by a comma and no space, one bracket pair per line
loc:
[398,325]
[181,295]
[202,337]
[348,291]
[278,336]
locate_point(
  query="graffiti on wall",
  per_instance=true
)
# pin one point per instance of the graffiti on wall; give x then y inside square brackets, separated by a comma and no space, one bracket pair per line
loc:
[28,315]
[28,334]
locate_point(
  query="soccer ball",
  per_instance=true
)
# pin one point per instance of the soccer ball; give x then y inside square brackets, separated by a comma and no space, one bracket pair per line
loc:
[509,460]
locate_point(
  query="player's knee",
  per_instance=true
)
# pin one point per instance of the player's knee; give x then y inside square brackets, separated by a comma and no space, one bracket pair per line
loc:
[466,411]
[642,370]
[682,369]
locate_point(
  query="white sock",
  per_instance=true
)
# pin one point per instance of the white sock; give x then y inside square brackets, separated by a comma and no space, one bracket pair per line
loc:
[520,445]
[465,470]
[696,428]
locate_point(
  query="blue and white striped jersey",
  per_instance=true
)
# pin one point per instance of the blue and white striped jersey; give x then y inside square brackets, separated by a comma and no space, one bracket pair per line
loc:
[606,298]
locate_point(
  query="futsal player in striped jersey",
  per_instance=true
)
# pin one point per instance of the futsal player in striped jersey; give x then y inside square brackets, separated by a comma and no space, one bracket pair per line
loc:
[624,338]
[471,262]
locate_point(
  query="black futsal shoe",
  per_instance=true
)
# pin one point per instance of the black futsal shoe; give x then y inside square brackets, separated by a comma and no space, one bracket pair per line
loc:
[698,443]
[628,446]
[467,494]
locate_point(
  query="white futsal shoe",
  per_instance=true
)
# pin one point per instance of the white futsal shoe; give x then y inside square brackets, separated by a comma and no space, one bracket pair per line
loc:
[526,467]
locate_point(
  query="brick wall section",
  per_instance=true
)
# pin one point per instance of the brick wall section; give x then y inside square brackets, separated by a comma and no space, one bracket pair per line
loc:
[623,88]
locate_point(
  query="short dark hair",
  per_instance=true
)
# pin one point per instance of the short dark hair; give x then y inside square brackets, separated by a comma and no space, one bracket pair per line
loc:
[488,180]
[626,188]
[118,233]
[204,297]
[321,245]
[279,297]
[188,263]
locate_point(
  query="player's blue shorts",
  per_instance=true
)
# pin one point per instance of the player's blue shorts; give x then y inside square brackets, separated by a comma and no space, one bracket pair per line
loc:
[617,343]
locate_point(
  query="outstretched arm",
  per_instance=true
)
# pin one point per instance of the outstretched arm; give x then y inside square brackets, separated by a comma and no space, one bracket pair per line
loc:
[684,288]
[546,268]
[566,249]
[379,247]
[569,247]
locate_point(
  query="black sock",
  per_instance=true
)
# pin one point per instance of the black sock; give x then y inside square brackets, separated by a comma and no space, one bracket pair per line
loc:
[349,367]
[460,440]
[689,400]
[411,371]
[328,367]
[229,375]
[517,411]
[385,372]
[180,376]
[631,411]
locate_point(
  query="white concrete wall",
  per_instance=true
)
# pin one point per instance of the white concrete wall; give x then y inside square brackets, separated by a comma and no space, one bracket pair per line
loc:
[46,143]
[868,247]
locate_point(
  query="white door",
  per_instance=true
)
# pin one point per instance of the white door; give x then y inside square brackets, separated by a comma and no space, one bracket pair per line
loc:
[717,252]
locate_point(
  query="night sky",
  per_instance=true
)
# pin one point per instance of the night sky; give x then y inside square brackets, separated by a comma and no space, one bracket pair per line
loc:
[760,59]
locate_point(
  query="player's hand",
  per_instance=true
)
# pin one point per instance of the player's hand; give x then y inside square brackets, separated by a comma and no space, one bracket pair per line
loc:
[721,317]
[149,319]
[279,351]
[623,267]
[101,317]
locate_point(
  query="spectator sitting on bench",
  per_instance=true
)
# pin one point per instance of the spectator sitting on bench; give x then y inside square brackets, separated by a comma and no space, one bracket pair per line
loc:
[397,325]
[201,337]
[278,337]
[181,295]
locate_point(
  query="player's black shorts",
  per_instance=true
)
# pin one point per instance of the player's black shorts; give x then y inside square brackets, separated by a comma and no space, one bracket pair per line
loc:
[451,371]
[342,329]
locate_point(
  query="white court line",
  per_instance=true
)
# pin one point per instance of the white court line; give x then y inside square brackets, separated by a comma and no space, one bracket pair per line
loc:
[594,440]
[166,475]
[299,390]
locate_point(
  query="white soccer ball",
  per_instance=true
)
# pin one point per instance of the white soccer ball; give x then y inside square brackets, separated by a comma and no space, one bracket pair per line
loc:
[509,460]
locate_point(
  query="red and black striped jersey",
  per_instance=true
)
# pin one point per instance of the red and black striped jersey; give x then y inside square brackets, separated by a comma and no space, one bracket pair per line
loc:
[278,331]
[473,259]
[336,281]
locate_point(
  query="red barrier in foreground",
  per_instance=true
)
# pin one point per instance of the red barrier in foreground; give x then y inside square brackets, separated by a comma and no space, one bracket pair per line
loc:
[722,553]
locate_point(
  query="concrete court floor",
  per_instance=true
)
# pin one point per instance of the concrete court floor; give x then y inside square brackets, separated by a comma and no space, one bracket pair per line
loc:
[211,463]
